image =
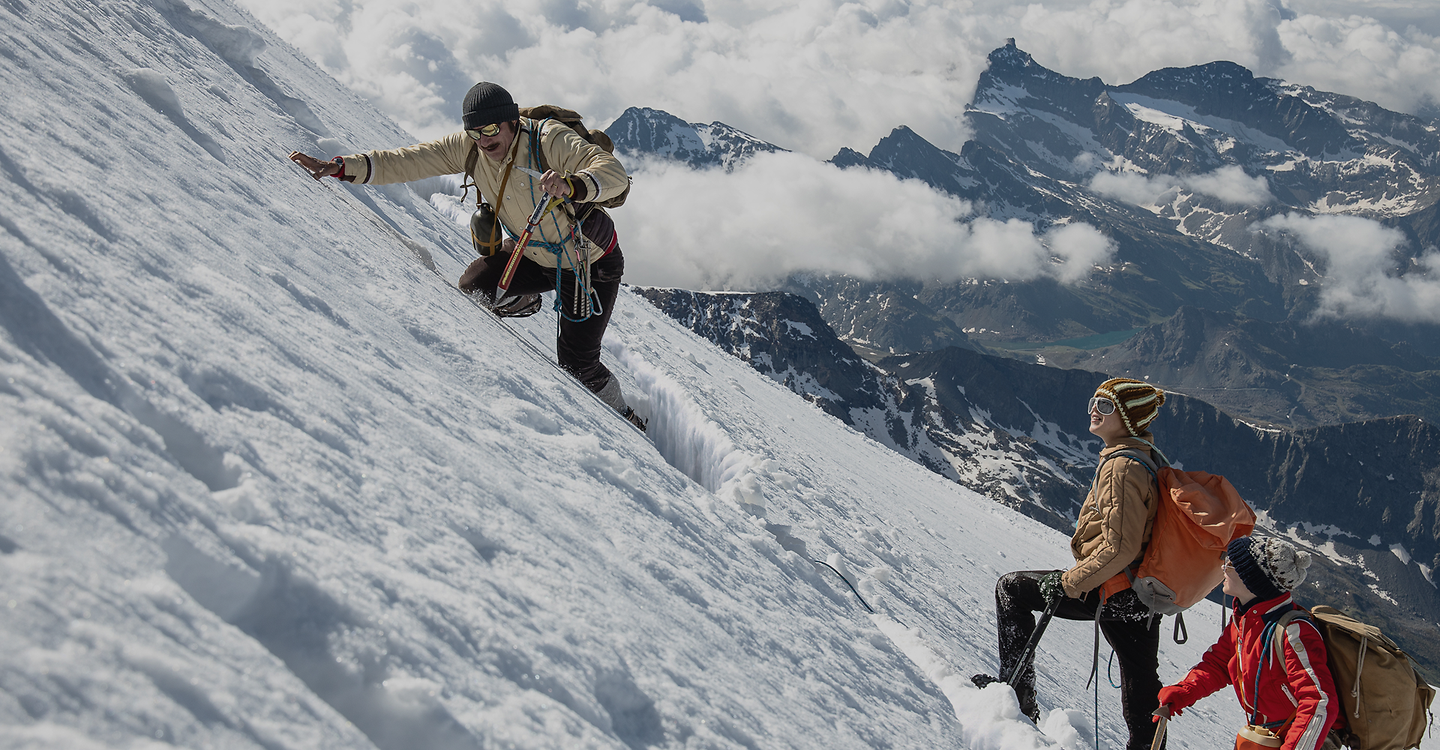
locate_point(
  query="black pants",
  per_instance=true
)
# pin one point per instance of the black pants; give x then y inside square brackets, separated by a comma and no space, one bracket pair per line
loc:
[578,346]
[1127,626]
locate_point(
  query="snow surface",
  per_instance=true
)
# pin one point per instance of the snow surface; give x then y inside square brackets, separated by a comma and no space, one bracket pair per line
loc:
[269,481]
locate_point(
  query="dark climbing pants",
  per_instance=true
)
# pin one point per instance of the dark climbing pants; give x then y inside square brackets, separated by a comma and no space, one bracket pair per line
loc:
[1126,623]
[577,347]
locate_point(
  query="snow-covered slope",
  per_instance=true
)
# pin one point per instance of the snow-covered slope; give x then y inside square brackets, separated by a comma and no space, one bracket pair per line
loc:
[269,481]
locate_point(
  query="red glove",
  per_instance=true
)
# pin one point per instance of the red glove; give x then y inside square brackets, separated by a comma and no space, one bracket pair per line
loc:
[1178,697]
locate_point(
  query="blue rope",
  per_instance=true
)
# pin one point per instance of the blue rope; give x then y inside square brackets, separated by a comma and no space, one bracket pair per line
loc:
[559,249]
[1268,634]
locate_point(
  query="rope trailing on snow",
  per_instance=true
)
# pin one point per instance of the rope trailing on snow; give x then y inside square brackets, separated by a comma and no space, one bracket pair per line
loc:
[847,583]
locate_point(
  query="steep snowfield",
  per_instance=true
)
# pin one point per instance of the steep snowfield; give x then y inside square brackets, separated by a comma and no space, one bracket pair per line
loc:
[268,481]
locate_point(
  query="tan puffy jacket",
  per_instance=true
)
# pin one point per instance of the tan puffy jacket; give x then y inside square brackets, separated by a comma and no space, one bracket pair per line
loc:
[1115,520]
[565,152]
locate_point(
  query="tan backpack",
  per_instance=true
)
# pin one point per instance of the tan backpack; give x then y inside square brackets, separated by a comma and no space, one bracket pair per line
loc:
[1386,701]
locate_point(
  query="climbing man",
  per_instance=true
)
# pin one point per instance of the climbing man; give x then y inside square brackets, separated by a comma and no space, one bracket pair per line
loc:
[574,249]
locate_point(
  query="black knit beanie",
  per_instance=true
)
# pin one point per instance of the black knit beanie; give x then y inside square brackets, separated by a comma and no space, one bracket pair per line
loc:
[488,104]
[1268,567]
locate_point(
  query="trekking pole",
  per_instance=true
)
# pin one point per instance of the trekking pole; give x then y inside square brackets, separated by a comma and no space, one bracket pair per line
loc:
[542,208]
[1164,713]
[1034,639]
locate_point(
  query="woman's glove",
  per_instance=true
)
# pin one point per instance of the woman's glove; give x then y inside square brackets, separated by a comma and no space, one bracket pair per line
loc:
[1051,589]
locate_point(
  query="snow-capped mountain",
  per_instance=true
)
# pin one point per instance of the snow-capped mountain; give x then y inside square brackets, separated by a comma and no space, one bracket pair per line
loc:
[1182,169]
[1363,495]
[1209,151]
[267,480]
[641,130]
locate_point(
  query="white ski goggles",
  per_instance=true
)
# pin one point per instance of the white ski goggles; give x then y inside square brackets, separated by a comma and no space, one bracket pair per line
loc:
[1105,406]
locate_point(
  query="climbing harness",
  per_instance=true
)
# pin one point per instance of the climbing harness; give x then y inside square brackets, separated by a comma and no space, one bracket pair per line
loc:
[572,250]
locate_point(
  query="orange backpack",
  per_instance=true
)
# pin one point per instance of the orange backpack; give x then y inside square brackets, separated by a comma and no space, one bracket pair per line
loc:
[1199,515]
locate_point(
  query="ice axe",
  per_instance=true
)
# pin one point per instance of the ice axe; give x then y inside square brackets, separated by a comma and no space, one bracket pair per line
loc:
[1163,714]
[542,208]
[1045,618]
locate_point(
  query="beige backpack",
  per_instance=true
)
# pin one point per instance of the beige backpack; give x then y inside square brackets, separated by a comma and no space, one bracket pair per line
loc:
[1386,701]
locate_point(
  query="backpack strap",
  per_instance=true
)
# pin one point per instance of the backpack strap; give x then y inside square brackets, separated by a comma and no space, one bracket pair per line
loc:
[1164,461]
[1275,648]
[1145,460]
[1154,475]
[470,159]
[540,159]
[496,235]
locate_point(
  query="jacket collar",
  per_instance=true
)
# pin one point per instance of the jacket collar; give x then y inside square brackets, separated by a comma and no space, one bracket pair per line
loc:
[1268,610]
[1130,444]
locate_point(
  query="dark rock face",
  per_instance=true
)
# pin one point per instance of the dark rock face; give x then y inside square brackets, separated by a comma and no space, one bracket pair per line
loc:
[1368,492]
[1289,374]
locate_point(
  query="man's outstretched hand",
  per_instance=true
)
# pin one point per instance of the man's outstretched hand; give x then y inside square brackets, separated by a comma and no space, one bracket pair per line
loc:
[315,167]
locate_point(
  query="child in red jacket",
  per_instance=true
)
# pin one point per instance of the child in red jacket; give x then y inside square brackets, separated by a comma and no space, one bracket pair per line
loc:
[1283,683]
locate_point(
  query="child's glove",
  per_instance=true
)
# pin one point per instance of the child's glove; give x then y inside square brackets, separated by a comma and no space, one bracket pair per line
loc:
[1178,697]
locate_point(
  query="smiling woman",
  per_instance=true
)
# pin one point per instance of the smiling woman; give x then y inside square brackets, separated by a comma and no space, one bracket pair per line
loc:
[1114,525]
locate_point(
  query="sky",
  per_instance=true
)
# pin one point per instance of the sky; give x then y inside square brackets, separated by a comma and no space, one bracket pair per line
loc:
[815,75]
[819,75]
[270,481]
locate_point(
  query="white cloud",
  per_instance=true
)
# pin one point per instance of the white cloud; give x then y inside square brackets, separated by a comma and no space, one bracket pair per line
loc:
[819,74]
[1079,248]
[1363,262]
[779,214]
[1229,184]
[1132,187]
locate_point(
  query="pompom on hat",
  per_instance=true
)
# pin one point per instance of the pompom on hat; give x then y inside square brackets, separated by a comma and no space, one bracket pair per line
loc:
[1137,402]
[1268,567]
[488,104]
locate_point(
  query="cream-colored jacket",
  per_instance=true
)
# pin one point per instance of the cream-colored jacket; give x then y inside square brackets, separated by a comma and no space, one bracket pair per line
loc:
[1115,520]
[565,152]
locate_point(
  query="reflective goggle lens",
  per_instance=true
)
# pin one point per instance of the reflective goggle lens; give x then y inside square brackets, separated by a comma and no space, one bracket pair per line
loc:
[1105,406]
[489,131]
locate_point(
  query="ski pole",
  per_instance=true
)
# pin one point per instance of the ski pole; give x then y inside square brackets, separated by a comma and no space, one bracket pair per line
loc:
[542,208]
[1034,639]
[1164,713]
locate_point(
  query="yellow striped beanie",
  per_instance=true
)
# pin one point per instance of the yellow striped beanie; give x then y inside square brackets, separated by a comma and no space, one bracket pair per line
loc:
[1137,402]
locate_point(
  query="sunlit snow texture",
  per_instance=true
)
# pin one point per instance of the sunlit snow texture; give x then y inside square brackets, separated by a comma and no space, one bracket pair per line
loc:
[268,481]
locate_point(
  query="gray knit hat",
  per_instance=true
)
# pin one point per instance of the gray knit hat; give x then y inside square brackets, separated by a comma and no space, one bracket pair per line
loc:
[1268,567]
[488,104]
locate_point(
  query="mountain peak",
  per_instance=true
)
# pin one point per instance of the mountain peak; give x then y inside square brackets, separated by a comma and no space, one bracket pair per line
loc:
[653,131]
[1010,55]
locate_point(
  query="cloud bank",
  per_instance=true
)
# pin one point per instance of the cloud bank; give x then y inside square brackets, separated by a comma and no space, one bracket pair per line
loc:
[1363,263]
[781,214]
[1229,184]
[817,75]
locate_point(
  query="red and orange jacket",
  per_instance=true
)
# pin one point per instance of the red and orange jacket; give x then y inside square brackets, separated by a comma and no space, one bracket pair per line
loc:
[1273,685]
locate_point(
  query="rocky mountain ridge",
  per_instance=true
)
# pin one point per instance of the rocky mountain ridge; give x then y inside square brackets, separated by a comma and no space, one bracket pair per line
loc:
[1179,169]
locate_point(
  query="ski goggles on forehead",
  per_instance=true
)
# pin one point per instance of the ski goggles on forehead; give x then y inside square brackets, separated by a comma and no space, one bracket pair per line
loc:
[1105,406]
[489,131]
